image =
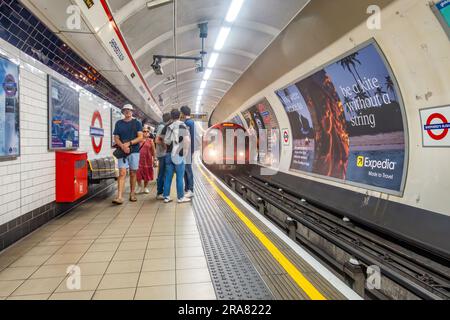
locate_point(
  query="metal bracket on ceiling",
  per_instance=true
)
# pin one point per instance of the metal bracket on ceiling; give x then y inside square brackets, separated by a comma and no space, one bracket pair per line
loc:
[157,59]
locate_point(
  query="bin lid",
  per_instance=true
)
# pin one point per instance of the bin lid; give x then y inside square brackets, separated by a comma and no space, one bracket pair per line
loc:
[71,152]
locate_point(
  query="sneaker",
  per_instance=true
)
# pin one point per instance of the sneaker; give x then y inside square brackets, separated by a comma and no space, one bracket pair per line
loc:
[159,197]
[184,200]
[167,200]
[146,191]
[140,191]
[189,194]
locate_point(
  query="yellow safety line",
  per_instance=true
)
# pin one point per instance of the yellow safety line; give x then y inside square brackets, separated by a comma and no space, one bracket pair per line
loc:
[295,274]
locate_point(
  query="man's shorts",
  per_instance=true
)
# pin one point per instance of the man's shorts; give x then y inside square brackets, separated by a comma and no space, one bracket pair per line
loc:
[131,162]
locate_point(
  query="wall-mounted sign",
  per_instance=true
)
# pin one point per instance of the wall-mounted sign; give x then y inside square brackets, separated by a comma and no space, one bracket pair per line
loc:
[237,120]
[261,117]
[64,111]
[89,3]
[286,137]
[203,117]
[436,126]
[347,122]
[9,109]
[442,11]
[97,132]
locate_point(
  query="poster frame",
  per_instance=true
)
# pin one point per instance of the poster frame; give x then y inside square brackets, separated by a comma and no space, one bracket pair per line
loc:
[437,13]
[357,48]
[14,157]
[49,116]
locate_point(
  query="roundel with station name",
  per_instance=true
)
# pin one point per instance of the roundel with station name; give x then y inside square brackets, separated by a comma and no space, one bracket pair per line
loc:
[97,132]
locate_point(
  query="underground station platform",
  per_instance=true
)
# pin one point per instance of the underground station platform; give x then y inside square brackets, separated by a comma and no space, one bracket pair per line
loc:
[218,247]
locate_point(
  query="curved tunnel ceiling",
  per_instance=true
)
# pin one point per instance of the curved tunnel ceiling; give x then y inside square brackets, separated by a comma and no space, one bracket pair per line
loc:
[150,31]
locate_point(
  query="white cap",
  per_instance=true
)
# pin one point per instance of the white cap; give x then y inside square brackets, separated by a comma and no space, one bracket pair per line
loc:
[127,107]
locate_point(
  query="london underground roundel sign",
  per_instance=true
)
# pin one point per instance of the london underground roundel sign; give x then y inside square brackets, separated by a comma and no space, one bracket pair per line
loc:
[96,132]
[436,126]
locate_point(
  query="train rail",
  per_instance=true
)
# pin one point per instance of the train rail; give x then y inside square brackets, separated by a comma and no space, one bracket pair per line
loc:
[402,268]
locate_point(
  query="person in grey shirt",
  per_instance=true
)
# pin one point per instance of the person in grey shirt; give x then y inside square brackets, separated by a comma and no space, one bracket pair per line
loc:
[161,154]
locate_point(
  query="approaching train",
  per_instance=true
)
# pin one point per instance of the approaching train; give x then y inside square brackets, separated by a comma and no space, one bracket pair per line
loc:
[225,146]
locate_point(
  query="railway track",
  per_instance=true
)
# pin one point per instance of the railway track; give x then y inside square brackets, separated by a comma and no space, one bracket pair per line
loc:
[425,276]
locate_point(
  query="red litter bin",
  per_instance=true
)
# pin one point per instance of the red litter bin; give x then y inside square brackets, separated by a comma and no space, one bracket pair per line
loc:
[71,176]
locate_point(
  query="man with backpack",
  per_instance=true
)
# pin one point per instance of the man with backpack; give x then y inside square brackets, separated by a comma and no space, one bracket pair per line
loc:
[189,174]
[177,140]
[161,151]
[128,135]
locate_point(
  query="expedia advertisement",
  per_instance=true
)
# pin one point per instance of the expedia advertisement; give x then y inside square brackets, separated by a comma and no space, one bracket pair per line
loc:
[347,122]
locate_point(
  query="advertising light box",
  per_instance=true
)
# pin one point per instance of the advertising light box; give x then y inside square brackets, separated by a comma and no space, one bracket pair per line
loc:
[261,117]
[348,124]
[9,109]
[64,116]
[237,120]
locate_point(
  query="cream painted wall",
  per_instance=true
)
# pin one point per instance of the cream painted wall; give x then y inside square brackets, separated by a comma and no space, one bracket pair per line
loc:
[418,50]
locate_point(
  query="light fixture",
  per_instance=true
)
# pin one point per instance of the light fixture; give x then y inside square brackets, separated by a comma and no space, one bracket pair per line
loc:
[234,10]
[223,35]
[200,92]
[213,60]
[207,74]
[203,85]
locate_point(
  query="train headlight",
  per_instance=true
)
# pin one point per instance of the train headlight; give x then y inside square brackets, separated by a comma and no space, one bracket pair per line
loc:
[212,153]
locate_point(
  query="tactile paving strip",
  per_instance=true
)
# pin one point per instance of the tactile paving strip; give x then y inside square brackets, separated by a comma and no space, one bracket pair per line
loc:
[233,274]
[279,283]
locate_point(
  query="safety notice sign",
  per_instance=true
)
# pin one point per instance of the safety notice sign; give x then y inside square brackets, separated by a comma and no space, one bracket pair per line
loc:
[436,126]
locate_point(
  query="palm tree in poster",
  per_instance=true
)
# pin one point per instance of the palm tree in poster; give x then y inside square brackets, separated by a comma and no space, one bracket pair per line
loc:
[349,63]
[380,92]
[390,85]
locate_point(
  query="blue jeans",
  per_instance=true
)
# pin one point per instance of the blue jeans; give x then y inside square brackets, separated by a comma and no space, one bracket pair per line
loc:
[189,178]
[178,169]
[161,175]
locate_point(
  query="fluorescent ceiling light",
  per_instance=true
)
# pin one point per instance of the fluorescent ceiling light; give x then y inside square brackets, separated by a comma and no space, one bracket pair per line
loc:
[200,92]
[234,10]
[203,85]
[213,60]
[207,74]
[223,35]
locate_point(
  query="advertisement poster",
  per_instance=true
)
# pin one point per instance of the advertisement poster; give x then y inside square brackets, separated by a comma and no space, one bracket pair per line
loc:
[64,110]
[261,117]
[347,122]
[116,115]
[237,120]
[9,109]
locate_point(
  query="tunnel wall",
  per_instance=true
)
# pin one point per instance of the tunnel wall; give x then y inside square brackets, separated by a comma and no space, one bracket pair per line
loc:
[418,51]
[27,184]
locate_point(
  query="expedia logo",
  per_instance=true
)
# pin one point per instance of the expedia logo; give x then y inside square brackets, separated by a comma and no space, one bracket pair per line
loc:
[366,162]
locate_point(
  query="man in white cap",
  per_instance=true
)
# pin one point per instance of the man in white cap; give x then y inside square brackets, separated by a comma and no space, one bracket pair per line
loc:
[127,136]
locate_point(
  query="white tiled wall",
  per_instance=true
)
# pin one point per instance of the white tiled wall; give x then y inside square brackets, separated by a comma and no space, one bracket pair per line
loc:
[28,182]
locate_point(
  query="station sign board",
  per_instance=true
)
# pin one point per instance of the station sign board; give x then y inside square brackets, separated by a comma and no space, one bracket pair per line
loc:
[435,126]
